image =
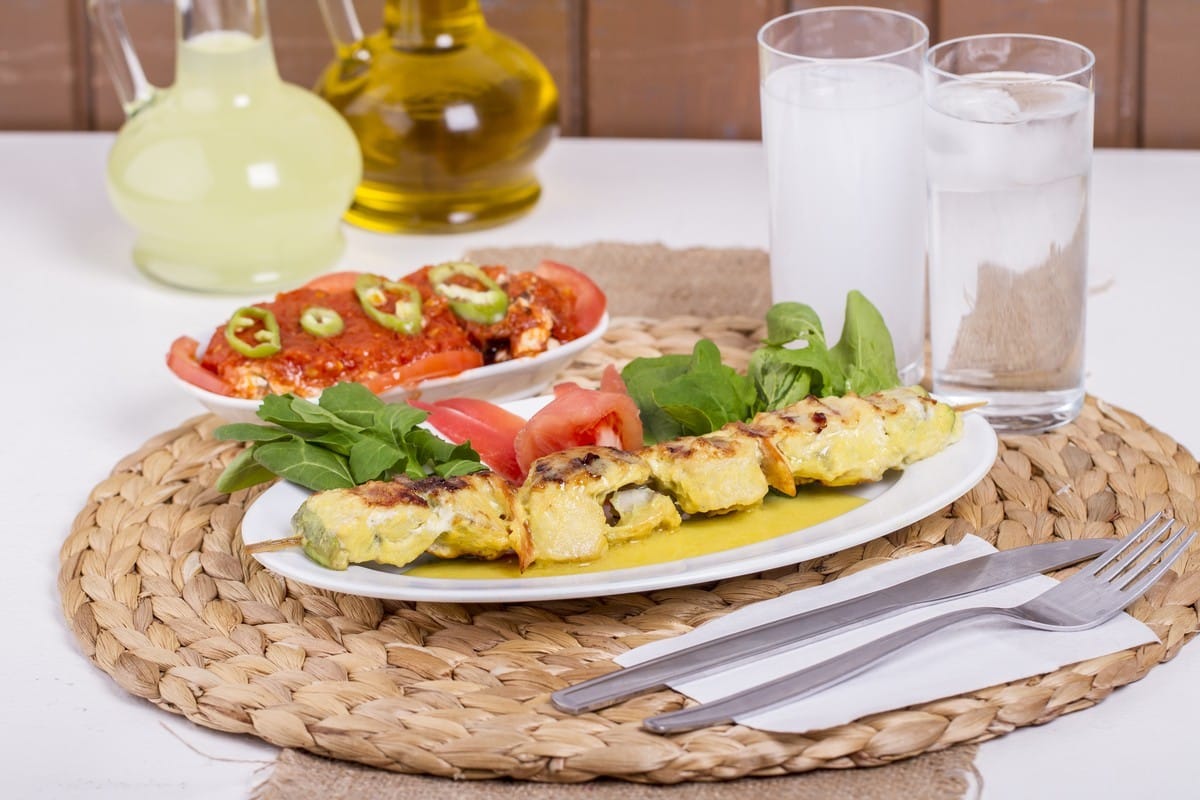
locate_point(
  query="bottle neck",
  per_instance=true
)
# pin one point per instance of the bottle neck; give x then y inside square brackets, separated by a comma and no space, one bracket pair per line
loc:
[233,35]
[432,24]
[198,17]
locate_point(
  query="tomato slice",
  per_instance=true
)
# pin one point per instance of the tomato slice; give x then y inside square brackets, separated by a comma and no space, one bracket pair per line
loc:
[489,428]
[433,365]
[578,417]
[334,282]
[590,301]
[181,359]
[611,381]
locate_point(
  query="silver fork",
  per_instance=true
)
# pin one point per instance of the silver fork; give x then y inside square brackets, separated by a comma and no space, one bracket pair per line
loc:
[1088,598]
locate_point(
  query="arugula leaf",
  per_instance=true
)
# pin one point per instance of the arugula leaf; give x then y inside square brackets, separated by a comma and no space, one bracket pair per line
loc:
[789,322]
[305,464]
[326,420]
[865,352]
[243,472]
[249,432]
[395,422]
[680,395]
[278,409]
[463,455]
[425,448]
[347,437]
[698,414]
[708,395]
[784,375]
[371,458]
[351,402]
[642,376]
[340,442]
[461,466]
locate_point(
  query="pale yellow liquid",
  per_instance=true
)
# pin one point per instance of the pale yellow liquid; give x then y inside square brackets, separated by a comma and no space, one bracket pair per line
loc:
[696,537]
[234,180]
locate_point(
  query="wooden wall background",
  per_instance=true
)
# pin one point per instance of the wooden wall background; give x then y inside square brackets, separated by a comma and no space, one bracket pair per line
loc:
[640,68]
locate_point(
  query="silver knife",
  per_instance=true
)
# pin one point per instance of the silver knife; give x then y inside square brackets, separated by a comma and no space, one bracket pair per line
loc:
[967,577]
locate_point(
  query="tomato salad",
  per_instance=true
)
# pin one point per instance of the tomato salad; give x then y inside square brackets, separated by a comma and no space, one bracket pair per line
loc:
[438,321]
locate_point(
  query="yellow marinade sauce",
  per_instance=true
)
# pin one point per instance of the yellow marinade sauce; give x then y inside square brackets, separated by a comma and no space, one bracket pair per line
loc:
[696,537]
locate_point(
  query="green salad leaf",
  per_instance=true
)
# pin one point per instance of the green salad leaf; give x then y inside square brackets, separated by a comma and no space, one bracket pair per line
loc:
[353,403]
[793,361]
[348,437]
[682,395]
[688,395]
[307,464]
[865,352]
[642,376]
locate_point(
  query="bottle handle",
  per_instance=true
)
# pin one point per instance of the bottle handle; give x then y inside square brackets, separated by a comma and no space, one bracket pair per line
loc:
[133,90]
[341,20]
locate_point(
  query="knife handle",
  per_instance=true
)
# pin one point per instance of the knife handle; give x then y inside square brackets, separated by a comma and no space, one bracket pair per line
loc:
[721,652]
[809,680]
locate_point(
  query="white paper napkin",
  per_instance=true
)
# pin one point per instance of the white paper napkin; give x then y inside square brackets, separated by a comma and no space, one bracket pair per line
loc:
[950,662]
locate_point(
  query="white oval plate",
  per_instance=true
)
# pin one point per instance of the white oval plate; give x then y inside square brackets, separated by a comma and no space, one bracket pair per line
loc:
[500,383]
[900,499]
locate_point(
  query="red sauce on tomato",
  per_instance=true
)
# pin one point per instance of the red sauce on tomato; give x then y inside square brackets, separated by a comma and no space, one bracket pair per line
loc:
[366,352]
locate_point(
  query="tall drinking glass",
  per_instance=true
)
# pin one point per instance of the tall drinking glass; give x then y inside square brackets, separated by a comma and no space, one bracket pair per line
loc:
[842,121]
[1009,154]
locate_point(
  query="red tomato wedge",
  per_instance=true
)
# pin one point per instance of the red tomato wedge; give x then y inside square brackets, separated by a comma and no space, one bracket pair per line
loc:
[334,282]
[589,299]
[433,365]
[611,381]
[181,360]
[489,428]
[577,417]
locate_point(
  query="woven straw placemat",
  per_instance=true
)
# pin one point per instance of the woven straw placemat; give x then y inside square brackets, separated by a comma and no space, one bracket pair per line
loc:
[161,596]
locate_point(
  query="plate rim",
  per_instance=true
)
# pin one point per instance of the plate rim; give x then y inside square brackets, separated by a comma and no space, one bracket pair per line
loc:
[968,460]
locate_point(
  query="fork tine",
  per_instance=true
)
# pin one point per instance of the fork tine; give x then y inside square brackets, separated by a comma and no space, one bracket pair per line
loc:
[1139,582]
[1128,562]
[1128,542]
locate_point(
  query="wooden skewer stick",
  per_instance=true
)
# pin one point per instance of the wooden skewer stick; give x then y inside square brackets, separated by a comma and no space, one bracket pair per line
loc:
[970,406]
[271,545]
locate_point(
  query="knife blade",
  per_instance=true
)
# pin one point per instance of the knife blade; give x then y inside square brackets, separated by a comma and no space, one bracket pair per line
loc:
[957,580]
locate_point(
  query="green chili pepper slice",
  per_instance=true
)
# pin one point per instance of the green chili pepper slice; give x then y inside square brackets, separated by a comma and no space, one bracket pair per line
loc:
[487,305]
[321,322]
[267,336]
[375,292]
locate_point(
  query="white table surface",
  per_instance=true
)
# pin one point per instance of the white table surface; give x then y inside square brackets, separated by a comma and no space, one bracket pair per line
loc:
[76,313]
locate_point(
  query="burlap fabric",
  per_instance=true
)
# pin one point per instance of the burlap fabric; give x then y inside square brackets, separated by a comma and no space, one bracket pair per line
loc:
[945,775]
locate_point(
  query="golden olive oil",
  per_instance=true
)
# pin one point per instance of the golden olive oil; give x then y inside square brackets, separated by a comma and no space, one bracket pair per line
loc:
[450,116]
[699,536]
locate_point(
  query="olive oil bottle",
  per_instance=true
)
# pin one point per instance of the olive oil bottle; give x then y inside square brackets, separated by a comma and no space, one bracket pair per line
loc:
[450,116]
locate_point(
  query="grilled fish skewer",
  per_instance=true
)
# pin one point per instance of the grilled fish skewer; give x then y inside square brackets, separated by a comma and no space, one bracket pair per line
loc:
[729,470]
[394,522]
[580,500]
[574,504]
[845,441]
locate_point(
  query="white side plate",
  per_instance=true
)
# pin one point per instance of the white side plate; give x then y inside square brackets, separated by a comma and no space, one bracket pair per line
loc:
[500,383]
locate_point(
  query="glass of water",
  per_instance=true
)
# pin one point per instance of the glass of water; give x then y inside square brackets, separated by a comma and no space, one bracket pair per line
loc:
[842,114]
[1009,154]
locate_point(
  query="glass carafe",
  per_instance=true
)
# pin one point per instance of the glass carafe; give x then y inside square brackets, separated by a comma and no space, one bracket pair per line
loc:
[234,180]
[450,115]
